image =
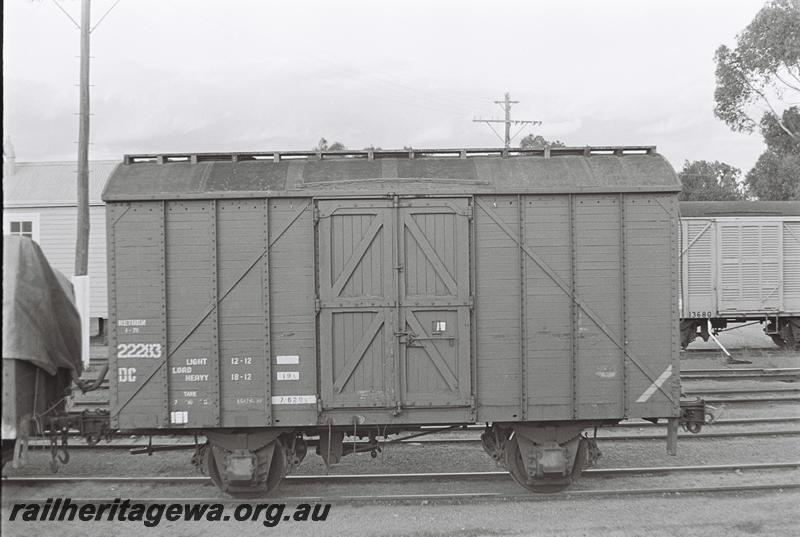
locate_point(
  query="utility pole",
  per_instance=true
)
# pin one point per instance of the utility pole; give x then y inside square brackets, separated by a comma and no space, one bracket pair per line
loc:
[82,243]
[506,105]
[80,281]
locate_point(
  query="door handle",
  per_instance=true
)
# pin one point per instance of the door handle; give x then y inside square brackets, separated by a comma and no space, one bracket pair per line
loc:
[412,338]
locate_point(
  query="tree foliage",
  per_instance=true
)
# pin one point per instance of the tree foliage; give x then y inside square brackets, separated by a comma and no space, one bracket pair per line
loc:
[763,71]
[710,181]
[323,145]
[775,178]
[776,138]
[776,175]
[538,142]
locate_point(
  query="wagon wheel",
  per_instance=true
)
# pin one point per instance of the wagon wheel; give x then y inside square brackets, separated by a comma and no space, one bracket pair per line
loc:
[8,450]
[778,340]
[270,471]
[516,467]
[792,333]
[788,337]
[688,333]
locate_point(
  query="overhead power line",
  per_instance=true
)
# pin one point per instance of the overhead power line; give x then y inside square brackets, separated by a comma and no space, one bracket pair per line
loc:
[505,104]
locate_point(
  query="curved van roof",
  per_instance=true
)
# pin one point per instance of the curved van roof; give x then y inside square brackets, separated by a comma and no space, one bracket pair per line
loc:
[381,172]
[700,209]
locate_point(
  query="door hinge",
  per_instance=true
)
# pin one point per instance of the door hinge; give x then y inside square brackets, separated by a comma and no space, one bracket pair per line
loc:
[471,302]
[317,305]
[316,215]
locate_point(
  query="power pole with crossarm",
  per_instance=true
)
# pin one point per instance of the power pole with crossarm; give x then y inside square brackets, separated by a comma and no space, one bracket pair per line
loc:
[506,105]
[80,281]
[82,243]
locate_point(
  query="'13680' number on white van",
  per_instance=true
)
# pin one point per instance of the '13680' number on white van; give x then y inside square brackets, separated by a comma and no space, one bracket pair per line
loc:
[139,350]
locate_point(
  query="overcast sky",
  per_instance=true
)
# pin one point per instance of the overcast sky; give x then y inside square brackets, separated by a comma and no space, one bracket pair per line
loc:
[194,75]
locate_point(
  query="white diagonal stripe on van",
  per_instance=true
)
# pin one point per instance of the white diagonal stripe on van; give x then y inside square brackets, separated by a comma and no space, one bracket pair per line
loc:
[655,385]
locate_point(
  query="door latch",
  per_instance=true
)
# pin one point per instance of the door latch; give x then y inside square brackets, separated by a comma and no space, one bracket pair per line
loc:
[412,338]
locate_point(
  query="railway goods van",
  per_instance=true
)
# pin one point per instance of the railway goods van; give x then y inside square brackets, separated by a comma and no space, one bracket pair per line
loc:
[274,302]
[740,262]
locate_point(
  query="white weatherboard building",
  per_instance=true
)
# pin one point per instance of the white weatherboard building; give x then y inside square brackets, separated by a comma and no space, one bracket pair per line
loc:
[40,201]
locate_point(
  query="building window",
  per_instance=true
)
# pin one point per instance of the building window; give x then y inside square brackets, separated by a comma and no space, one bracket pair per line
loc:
[24,228]
[26,225]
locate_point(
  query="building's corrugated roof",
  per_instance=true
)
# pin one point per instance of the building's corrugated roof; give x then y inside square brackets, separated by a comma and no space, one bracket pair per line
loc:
[562,170]
[699,209]
[52,183]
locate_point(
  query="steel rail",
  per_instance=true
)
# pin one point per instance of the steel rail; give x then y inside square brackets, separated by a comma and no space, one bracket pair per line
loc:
[447,498]
[758,351]
[783,377]
[740,374]
[745,400]
[735,391]
[417,476]
[451,497]
[765,371]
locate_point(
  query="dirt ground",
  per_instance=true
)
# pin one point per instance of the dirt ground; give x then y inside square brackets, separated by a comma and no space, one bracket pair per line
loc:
[773,514]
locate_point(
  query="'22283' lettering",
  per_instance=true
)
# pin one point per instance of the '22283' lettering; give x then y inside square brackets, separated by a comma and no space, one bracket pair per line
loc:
[139,350]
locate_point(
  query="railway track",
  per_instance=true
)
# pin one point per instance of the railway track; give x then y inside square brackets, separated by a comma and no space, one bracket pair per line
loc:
[779,394]
[448,498]
[741,392]
[787,374]
[297,484]
[746,353]
[422,476]
[715,400]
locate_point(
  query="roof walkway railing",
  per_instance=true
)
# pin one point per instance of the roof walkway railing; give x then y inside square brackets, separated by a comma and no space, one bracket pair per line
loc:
[374,154]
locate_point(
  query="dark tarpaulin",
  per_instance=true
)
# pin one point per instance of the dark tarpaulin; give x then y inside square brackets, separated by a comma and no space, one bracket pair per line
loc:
[40,322]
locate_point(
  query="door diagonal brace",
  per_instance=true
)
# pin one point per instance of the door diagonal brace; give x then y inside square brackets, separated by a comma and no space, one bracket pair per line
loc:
[433,353]
[691,242]
[358,353]
[789,229]
[430,253]
[357,256]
